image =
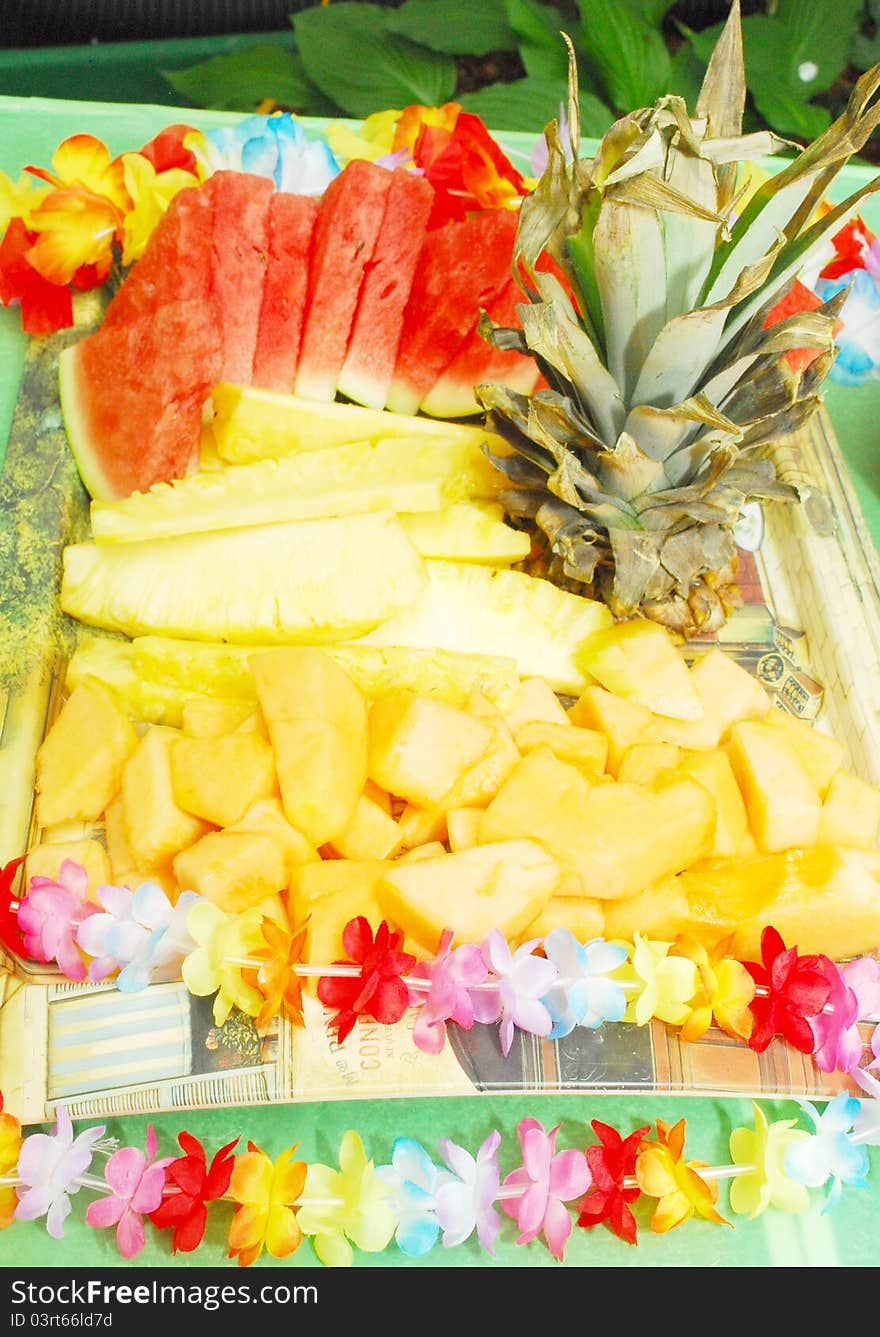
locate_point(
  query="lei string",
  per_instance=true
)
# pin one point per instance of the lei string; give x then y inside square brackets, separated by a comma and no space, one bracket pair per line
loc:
[641,1179]
[545,987]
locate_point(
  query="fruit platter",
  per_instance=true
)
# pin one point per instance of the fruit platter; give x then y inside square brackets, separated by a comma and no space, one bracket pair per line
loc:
[440,639]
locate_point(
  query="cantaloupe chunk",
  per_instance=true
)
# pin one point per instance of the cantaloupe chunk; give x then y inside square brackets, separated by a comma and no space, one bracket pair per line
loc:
[419,747]
[850,813]
[431,849]
[156,827]
[622,722]
[79,763]
[237,870]
[583,916]
[266,816]
[45,861]
[328,917]
[780,797]
[712,769]
[639,661]
[644,763]
[421,826]
[372,833]
[123,866]
[586,748]
[330,877]
[502,885]
[820,755]
[463,827]
[727,692]
[219,778]
[534,701]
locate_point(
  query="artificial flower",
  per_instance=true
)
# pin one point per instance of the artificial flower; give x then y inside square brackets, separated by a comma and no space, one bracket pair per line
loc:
[725,992]
[151,193]
[82,161]
[855,246]
[45,306]
[138,933]
[18,198]
[858,338]
[451,974]
[372,140]
[277,979]
[611,1164]
[190,1185]
[794,987]
[10,1146]
[50,915]
[136,1180]
[467,169]
[10,933]
[50,1168]
[172,148]
[522,979]
[796,299]
[348,1206]
[582,994]
[765,1183]
[413,1179]
[837,1044]
[662,1172]
[378,991]
[668,983]
[828,1155]
[214,966]
[76,231]
[268,1193]
[548,1179]
[465,1200]
[273,146]
[410,122]
[866,1125]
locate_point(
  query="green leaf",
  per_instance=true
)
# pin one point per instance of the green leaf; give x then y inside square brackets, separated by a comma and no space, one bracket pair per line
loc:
[539,24]
[456,27]
[348,51]
[528,104]
[789,115]
[240,80]
[865,50]
[628,54]
[650,11]
[686,75]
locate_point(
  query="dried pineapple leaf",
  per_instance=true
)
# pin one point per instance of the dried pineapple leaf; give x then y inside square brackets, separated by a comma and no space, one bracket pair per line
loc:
[560,343]
[627,472]
[660,432]
[722,97]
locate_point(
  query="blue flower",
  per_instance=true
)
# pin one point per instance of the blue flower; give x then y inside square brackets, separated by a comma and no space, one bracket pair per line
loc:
[829,1156]
[858,340]
[582,994]
[276,147]
[414,1178]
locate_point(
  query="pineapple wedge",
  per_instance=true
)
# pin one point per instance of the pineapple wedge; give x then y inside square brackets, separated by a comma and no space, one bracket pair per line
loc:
[399,474]
[469,531]
[311,580]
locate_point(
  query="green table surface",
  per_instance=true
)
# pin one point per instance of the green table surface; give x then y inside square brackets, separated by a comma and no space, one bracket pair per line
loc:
[30,129]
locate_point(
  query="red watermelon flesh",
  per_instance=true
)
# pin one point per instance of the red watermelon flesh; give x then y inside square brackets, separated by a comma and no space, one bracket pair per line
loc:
[350,215]
[375,332]
[279,330]
[460,267]
[476,362]
[239,251]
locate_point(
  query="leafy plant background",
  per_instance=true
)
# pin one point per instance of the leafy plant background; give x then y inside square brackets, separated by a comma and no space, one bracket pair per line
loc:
[505,60]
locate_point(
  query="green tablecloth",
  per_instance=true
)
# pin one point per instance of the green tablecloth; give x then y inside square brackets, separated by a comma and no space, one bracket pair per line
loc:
[29,132]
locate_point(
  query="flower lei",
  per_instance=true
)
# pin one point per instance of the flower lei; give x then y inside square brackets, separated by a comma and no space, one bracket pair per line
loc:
[644,1179]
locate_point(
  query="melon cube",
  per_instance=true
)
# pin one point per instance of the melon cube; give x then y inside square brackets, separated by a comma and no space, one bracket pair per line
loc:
[156,827]
[329,877]
[543,799]
[850,813]
[327,920]
[502,885]
[45,861]
[479,784]
[535,700]
[622,722]
[587,748]
[211,716]
[645,763]
[79,763]
[419,746]
[727,693]
[123,867]
[236,870]
[419,826]
[266,815]
[639,661]
[819,753]
[463,827]
[583,916]
[431,849]
[712,769]
[220,778]
[372,833]
[781,799]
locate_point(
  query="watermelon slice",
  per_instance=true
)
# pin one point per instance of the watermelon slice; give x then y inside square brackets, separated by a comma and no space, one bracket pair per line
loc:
[350,215]
[461,266]
[452,394]
[279,331]
[239,250]
[375,332]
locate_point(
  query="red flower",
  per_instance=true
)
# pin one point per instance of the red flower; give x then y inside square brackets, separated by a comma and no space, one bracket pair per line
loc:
[797,298]
[466,167]
[378,991]
[794,988]
[184,1209]
[850,244]
[45,306]
[167,150]
[610,1164]
[10,933]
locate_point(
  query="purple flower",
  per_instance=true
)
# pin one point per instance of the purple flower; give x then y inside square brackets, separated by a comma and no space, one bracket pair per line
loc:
[137,1181]
[548,1179]
[139,933]
[451,974]
[855,994]
[50,914]
[523,979]
[50,1167]
[465,1202]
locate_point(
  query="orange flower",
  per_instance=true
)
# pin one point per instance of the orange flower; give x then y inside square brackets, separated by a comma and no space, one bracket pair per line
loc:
[10,1146]
[413,118]
[726,990]
[268,1193]
[84,161]
[277,979]
[75,228]
[662,1173]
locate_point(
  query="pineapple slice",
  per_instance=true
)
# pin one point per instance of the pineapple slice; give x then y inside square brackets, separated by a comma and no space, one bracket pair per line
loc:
[400,474]
[638,660]
[309,580]
[252,424]
[79,764]
[467,607]
[469,531]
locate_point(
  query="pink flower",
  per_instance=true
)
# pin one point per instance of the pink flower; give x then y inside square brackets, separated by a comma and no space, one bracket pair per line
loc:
[523,979]
[137,1181]
[50,914]
[548,1179]
[451,974]
[855,994]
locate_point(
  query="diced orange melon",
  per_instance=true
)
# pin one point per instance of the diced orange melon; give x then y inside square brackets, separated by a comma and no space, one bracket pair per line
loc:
[780,797]
[219,778]
[432,849]
[622,722]
[534,701]
[850,813]
[267,817]
[123,866]
[463,827]
[330,877]
[237,870]
[418,826]
[586,748]
[211,716]
[156,827]
[639,661]
[644,763]
[712,769]
[820,755]
[583,916]
[45,861]
[727,692]
[419,746]
[80,761]
[372,833]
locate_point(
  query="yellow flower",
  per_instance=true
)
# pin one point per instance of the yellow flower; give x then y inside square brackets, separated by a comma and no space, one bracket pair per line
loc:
[84,162]
[662,1173]
[215,965]
[726,990]
[372,141]
[762,1149]
[10,1146]
[76,227]
[151,193]
[18,198]
[347,1204]
[668,983]
[268,1193]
